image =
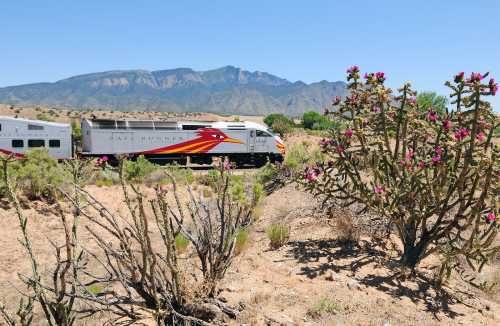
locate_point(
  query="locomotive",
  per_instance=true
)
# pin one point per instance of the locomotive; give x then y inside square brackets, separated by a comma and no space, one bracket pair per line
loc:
[197,142]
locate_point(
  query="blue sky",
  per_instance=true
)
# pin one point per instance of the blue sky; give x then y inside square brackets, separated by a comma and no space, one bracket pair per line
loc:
[425,42]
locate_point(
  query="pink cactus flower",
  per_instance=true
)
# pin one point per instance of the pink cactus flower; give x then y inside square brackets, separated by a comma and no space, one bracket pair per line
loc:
[480,136]
[412,101]
[380,75]
[340,149]
[366,75]
[402,162]
[436,159]
[348,133]
[438,150]
[431,115]
[459,77]
[446,125]
[421,165]
[378,189]
[376,109]
[475,77]
[493,86]
[490,217]
[409,155]
[353,69]
[461,133]
[104,158]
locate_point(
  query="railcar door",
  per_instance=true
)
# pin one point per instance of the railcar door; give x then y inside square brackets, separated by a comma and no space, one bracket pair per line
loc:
[122,142]
[261,141]
[251,141]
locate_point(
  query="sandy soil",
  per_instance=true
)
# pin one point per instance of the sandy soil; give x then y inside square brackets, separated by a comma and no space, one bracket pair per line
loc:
[280,287]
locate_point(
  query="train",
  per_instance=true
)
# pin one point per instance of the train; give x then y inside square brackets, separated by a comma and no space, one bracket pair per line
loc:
[184,142]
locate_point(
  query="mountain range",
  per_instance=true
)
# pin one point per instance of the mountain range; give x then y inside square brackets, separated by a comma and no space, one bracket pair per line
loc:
[227,90]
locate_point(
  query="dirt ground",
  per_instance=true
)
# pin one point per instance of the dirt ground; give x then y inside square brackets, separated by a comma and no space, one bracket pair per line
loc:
[282,287]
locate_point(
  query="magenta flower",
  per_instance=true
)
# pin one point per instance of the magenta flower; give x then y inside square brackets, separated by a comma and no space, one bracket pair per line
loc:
[348,133]
[446,125]
[409,155]
[475,77]
[431,115]
[493,86]
[421,164]
[490,217]
[378,189]
[436,159]
[459,77]
[438,150]
[380,76]
[104,158]
[412,101]
[353,69]
[366,76]
[480,136]
[340,149]
[376,109]
[461,133]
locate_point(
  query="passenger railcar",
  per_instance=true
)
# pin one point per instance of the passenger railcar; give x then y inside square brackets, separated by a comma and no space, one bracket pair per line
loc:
[164,141]
[17,136]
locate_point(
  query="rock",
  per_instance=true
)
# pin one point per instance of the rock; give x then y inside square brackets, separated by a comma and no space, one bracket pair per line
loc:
[353,285]
[334,277]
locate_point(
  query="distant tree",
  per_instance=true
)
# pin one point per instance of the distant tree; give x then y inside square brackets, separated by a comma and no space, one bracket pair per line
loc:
[273,117]
[426,100]
[315,121]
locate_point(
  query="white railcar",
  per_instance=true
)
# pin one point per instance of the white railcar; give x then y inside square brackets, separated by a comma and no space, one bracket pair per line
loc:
[159,141]
[18,136]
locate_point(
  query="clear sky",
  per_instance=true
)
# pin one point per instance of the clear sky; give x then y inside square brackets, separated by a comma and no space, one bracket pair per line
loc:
[425,42]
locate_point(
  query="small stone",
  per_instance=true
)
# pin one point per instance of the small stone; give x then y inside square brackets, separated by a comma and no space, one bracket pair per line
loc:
[334,277]
[353,285]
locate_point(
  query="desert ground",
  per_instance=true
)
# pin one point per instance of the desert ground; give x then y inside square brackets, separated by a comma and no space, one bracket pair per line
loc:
[311,280]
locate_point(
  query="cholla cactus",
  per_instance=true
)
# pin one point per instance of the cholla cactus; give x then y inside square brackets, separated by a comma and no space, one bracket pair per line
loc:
[433,175]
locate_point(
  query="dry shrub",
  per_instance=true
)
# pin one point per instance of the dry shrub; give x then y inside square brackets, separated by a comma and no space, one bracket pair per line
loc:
[346,228]
[278,234]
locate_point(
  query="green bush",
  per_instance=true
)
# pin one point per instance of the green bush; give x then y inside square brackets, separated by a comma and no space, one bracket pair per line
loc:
[40,175]
[242,236]
[272,118]
[181,174]
[137,170]
[303,153]
[281,127]
[315,121]
[322,307]
[278,234]
[181,242]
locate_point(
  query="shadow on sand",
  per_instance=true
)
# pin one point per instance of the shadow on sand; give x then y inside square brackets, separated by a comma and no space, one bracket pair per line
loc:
[318,257]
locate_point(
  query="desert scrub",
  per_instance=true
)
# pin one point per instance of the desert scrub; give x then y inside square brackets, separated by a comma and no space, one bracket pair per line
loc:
[301,154]
[242,237]
[39,175]
[181,243]
[278,234]
[323,307]
[138,170]
[432,175]
[181,174]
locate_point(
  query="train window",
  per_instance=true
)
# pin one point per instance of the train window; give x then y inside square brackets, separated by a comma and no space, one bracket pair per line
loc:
[261,133]
[17,143]
[165,125]
[121,124]
[140,124]
[36,143]
[104,124]
[54,143]
[35,127]
[194,127]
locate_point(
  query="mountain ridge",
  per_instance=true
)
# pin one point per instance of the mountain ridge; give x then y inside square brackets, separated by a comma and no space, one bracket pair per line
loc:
[226,90]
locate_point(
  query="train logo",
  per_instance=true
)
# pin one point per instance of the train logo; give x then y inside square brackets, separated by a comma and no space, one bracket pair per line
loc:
[207,139]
